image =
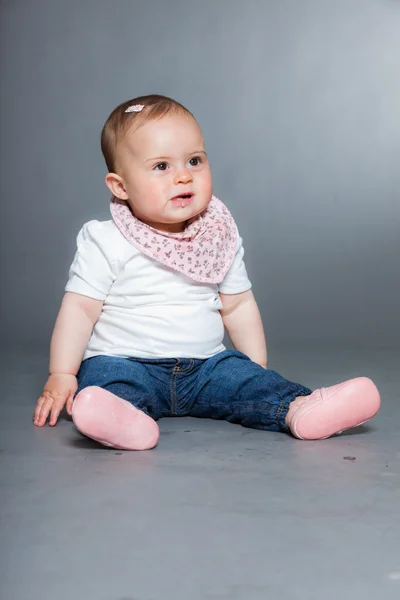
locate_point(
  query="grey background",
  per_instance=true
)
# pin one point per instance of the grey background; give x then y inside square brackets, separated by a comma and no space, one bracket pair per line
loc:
[299,103]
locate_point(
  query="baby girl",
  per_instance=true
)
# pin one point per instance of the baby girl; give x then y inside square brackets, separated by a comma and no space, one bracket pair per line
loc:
[139,334]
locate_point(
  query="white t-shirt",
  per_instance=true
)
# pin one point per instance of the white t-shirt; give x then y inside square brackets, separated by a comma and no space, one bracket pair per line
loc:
[150,310]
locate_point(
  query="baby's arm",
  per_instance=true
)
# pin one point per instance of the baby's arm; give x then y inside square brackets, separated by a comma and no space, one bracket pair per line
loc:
[242,321]
[74,324]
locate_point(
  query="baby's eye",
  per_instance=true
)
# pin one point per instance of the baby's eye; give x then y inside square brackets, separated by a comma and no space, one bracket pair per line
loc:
[195,161]
[163,167]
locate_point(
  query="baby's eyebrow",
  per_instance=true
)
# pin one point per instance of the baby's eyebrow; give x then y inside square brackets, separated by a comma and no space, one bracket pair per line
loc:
[157,158]
[168,157]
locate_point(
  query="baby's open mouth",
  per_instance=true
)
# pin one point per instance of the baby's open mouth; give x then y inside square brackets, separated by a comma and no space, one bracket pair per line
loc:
[182,200]
[182,197]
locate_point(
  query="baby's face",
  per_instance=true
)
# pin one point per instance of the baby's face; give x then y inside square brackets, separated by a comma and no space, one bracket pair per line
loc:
[165,173]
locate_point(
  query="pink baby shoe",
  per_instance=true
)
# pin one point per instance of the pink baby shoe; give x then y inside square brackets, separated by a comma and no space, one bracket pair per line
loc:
[331,410]
[112,421]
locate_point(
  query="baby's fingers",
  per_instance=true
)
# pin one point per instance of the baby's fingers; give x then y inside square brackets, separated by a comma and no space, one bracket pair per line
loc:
[43,408]
[70,401]
[37,409]
[56,409]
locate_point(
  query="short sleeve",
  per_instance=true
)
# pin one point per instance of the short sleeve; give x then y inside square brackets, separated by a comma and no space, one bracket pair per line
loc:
[236,280]
[94,269]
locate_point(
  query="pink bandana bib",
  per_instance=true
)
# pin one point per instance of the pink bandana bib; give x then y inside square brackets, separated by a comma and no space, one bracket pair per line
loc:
[204,251]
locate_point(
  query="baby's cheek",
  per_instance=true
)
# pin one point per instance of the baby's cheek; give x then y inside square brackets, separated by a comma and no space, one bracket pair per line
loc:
[154,194]
[206,186]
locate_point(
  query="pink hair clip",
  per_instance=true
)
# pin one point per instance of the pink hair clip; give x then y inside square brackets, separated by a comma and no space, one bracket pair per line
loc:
[135,108]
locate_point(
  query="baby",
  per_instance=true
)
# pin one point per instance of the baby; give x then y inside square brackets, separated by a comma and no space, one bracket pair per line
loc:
[140,329]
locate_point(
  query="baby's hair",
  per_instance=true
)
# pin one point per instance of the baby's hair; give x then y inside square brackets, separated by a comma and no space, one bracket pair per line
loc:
[120,121]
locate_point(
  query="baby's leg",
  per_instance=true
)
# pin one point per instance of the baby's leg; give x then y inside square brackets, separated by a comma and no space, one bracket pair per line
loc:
[232,387]
[113,402]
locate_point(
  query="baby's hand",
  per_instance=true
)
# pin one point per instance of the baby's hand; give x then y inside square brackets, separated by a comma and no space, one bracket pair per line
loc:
[59,389]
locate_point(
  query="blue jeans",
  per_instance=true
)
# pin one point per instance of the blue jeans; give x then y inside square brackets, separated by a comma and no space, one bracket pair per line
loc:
[226,386]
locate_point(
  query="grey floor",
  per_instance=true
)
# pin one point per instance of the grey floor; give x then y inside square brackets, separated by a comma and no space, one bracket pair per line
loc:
[216,511]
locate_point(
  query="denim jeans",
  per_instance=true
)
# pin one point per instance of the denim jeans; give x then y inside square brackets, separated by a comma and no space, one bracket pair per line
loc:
[226,386]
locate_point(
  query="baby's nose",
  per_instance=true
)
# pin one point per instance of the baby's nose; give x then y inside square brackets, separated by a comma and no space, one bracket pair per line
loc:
[183,176]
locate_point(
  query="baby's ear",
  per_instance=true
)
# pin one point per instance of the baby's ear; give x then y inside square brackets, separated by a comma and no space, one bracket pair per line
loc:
[116,185]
